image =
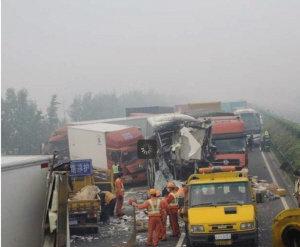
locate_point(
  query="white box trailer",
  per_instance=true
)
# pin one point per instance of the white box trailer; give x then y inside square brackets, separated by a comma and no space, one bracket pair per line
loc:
[140,122]
[89,142]
[23,182]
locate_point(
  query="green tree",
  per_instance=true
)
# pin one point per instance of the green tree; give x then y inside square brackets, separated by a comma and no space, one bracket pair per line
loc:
[52,116]
[75,111]
[21,129]
[110,105]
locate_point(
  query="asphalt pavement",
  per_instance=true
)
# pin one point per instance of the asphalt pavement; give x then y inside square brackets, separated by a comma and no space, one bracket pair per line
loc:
[268,210]
[118,232]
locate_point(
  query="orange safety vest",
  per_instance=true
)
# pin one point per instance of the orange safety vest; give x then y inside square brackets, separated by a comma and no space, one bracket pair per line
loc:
[174,203]
[155,207]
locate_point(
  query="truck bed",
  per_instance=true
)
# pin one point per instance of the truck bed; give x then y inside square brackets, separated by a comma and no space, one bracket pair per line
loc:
[84,205]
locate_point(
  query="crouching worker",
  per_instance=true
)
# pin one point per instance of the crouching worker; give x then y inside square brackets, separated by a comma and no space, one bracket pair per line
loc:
[164,215]
[108,203]
[154,206]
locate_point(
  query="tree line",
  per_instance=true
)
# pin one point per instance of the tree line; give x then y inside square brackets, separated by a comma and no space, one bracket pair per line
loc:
[25,126]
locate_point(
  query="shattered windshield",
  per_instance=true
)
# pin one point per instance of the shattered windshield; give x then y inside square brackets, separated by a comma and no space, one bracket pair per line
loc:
[220,194]
[230,145]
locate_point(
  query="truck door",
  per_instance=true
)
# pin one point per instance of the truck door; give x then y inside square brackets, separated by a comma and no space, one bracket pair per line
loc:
[112,157]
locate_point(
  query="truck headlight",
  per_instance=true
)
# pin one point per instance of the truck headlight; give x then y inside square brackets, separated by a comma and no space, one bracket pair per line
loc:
[249,225]
[197,228]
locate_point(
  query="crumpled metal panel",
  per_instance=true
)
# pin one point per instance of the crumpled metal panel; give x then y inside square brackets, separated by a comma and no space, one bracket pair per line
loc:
[190,147]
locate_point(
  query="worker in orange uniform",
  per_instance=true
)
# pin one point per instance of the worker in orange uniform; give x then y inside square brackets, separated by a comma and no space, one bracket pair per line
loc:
[172,200]
[164,215]
[154,206]
[120,195]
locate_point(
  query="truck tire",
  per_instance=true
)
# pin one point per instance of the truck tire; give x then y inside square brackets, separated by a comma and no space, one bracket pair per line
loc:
[92,230]
[255,244]
[188,242]
[187,237]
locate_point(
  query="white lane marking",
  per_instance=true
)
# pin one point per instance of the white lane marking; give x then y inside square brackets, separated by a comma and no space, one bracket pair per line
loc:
[180,241]
[285,205]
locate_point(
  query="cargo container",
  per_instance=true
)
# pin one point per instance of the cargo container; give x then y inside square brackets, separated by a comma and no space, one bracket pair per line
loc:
[150,109]
[106,144]
[210,106]
[23,199]
[233,106]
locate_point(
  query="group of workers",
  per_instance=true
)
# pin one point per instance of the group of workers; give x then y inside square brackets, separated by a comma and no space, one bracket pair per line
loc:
[158,209]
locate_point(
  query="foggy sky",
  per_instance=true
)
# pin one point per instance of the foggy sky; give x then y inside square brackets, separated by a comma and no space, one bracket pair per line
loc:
[194,50]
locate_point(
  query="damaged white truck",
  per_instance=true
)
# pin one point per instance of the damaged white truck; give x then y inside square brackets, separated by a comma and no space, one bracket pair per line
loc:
[184,145]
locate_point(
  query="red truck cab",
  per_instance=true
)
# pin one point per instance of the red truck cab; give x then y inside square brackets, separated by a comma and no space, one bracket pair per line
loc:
[122,146]
[229,137]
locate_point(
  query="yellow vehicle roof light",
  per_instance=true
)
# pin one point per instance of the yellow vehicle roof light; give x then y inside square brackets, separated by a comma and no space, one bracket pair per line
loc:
[217,169]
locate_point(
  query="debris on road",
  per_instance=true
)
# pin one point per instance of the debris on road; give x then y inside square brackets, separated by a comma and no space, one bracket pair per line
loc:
[265,191]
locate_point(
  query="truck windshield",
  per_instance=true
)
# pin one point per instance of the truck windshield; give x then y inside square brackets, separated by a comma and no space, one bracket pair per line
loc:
[230,145]
[251,121]
[220,194]
[129,157]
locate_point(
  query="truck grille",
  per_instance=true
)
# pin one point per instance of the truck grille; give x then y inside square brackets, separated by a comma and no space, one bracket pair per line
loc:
[222,228]
[226,162]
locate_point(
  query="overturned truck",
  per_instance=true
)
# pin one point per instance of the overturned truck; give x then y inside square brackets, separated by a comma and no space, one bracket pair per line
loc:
[183,146]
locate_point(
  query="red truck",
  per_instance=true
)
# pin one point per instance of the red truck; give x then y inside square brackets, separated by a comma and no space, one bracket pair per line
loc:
[229,137]
[103,143]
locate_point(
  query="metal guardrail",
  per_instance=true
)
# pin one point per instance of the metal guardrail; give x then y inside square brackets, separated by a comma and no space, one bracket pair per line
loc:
[277,150]
[286,165]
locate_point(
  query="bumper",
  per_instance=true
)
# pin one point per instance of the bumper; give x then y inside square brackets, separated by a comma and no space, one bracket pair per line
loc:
[238,239]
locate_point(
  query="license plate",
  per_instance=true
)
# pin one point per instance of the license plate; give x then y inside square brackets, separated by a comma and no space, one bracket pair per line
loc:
[223,242]
[222,236]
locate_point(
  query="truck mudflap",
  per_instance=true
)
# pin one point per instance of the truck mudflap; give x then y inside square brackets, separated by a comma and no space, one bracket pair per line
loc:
[232,239]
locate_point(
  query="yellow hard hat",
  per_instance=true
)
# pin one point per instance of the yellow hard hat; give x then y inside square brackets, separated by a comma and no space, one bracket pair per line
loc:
[171,185]
[158,193]
[152,192]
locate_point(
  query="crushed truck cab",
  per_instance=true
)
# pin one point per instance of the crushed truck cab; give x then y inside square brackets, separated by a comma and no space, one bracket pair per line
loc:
[220,209]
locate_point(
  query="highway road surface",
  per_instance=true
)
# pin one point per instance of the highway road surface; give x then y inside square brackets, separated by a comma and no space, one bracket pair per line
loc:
[264,165]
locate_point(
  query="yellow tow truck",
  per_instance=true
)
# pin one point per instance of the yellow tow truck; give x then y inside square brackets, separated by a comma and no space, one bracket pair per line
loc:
[85,213]
[220,209]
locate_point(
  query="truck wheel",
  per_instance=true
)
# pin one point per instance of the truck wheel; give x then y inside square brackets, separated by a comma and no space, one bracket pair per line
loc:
[188,242]
[92,230]
[255,244]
